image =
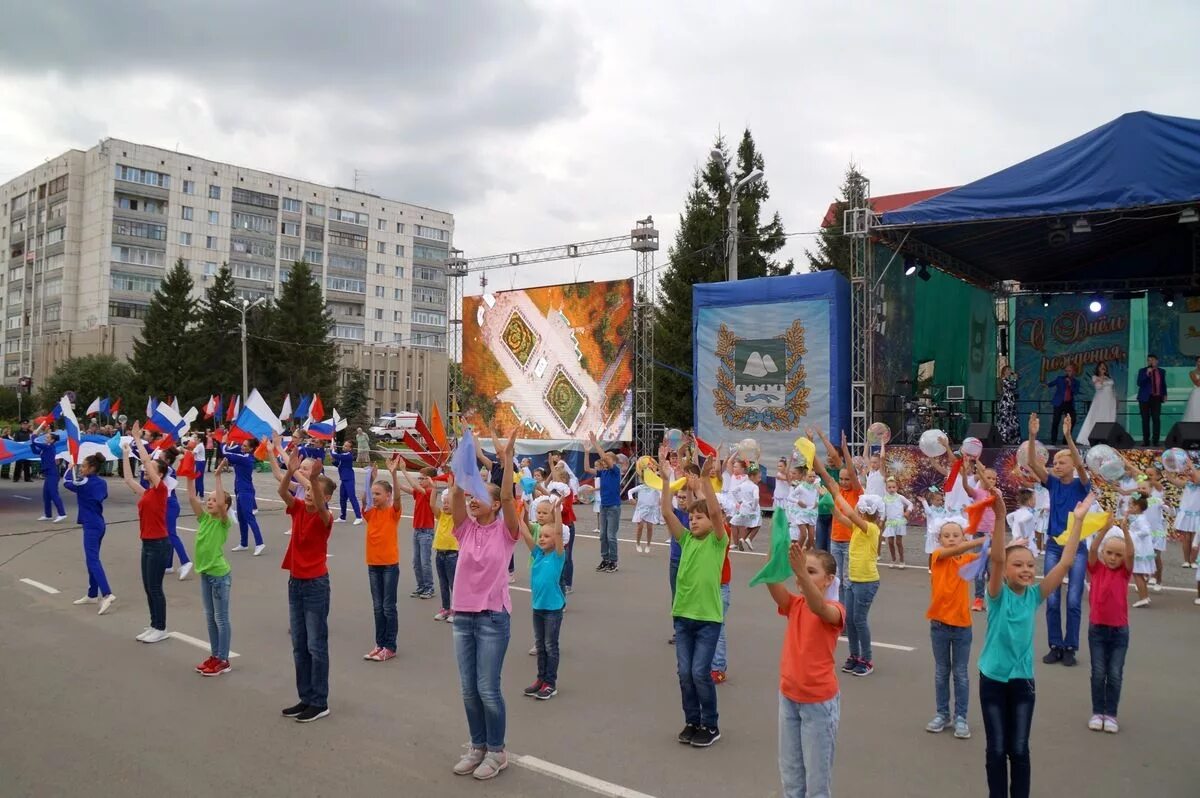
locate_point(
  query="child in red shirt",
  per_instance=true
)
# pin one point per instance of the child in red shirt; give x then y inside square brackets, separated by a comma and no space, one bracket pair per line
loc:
[422,521]
[809,699]
[1110,566]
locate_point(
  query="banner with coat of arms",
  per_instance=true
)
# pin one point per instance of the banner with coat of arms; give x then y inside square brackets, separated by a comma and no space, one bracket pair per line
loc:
[771,357]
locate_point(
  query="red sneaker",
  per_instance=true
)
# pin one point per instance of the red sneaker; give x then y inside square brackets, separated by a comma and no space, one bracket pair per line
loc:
[719,677]
[203,666]
[977,606]
[217,667]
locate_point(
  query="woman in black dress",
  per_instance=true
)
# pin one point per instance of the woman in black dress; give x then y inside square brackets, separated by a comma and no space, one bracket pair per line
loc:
[1006,408]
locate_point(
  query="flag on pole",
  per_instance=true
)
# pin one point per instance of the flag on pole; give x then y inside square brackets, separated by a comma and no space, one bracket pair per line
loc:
[302,408]
[438,427]
[175,403]
[256,420]
[466,471]
[104,405]
[210,406]
[94,407]
[316,411]
[150,404]
[339,423]
[116,407]
[72,424]
[219,413]
[286,412]
[166,419]
[235,408]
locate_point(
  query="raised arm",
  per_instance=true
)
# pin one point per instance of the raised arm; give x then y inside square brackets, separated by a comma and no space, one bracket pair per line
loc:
[127,472]
[526,535]
[218,488]
[508,504]
[559,545]
[285,479]
[393,467]
[1076,458]
[715,513]
[592,443]
[831,453]
[996,556]
[152,475]
[1128,544]
[848,462]
[1035,462]
[1056,575]
[673,526]
[194,498]
[798,559]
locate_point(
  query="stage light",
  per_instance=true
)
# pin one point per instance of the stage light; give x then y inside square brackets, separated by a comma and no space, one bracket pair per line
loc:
[1169,299]
[1045,300]
[1081,226]
[910,266]
[1189,216]
[1095,306]
[924,272]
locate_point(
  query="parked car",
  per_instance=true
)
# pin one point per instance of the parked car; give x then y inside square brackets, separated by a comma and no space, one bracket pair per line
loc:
[392,427]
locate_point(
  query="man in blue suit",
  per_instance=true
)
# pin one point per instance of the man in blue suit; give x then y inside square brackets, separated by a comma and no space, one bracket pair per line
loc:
[1152,392]
[1066,388]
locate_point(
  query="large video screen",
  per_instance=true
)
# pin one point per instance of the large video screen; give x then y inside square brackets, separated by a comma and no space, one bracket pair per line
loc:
[556,359]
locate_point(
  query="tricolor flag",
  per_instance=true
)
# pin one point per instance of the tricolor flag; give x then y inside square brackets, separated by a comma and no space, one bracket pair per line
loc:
[302,408]
[116,407]
[339,423]
[210,407]
[94,407]
[72,424]
[220,411]
[705,448]
[235,408]
[256,419]
[166,419]
[104,404]
[316,411]
[286,412]
[320,430]
[151,403]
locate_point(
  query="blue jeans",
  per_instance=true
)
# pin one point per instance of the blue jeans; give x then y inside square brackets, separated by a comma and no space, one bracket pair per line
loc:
[423,559]
[567,579]
[308,608]
[807,734]
[346,493]
[546,626]
[841,555]
[173,534]
[200,479]
[695,642]
[97,580]
[446,562]
[480,642]
[50,495]
[824,530]
[859,596]
[245,506]
[384,579]
[1054,628]
[719,661]
[1007,715]
[214,592]
[610,521]
[951,654]
[672,573]
[1107,646]
[156,554]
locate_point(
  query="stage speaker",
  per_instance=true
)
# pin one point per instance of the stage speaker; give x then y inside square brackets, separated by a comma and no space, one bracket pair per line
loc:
[985,432]
[1185,435]
[1111,433]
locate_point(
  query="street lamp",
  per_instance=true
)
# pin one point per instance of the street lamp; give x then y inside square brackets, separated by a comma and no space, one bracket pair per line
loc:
[735,187]
[244,308]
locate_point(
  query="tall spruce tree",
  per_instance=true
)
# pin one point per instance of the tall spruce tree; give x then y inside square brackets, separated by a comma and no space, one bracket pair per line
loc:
[833,248]
[218,340]
[164,357]
[352,401]
[698,255]
[300,325]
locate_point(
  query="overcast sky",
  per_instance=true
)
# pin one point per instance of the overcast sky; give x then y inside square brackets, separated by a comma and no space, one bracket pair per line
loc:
[540,123]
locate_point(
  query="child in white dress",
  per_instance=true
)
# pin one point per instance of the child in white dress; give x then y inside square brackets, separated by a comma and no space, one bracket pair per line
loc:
[1143,547]
[1156,517]
[1187,518]
[647,511]
[1023,520]
[896,508]
[802,511]
[935,513]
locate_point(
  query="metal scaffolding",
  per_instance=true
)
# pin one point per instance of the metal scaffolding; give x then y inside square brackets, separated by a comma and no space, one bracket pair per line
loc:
[644,241]
[857,222]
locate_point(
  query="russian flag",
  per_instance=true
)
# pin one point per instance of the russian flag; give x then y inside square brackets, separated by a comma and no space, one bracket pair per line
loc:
[151,403]
[219,413]
[116,407]
[210,407]
[321,430]
[68,417]
[104,405]
[257,420]
[94,407]
[166,419]
[235,409]
[316,412]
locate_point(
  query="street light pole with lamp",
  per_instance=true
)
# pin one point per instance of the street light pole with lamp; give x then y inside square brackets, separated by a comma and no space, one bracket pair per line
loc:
[243,309]
[735,187]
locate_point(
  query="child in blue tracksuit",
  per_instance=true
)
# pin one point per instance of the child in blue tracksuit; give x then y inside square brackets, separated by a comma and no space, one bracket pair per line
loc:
[91,491]
[243,487]
[201,463]
[344,460]
[46,450]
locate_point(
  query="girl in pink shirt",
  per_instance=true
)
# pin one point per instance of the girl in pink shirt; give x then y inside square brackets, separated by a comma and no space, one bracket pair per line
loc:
[1110,564]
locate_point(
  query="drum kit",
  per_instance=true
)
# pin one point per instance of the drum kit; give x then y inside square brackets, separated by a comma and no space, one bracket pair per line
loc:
[924,411]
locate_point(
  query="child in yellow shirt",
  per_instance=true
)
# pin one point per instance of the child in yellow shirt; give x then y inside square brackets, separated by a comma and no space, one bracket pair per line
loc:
[445,554]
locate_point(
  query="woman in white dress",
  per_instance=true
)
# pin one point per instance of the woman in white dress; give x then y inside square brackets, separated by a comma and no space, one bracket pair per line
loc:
[1104,403]
[1192,412]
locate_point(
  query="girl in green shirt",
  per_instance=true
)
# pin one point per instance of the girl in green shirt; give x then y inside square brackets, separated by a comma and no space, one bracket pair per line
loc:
[212,522]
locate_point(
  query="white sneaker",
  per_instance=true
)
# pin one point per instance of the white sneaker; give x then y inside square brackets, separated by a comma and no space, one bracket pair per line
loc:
[749,544]
[901,566]
[106,604]
[144,632]
[1153,581]
[1096,723]
[1141,603]
[184,570]
[1110,725]
[1196,601]
[339,520]
[1155,588]
[357,521]
[60,518]
[47,518]
[891,565]
[156,636]
[239,548]
[86,600]
[287,531]
[170,569]
[259,549]
[1181,565]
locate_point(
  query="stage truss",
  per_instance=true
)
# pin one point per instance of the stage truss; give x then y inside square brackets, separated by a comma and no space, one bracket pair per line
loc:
[857,223]
[643,240]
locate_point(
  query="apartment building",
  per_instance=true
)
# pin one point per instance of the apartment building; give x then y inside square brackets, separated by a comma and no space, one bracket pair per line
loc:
[91,233]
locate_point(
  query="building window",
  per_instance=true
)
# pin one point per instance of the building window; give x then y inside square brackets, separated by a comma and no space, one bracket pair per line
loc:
[253,271]
[56,185]
[247,197]
[430,275]
[399,250]
[352,240]
[185,239]
[252,294]
[210,267]
[346,284]
[398,338]
[289,253]
[143,176]
[429,253]
[399,294]
[214,217]
[55,235]
[397,315]
[185,212]
[292,205]
[348,332]
[427,340]
[314,256]
[378,337]
[379,268]
[214,192]
[345,309]
[52,287]
[127,310]
[348,264]
[379,291]
[430,296]
[380,376]
[400,227]
[379,314]
[314,233]
[210,242]
[348,217]
[381,224]
[421,231]
[138,256]
[290,228]
[253,221]
[136,204]
[380,247]
[134,282]
[317,211]
[189,187]
[52,313]
[399,271]
[429,318]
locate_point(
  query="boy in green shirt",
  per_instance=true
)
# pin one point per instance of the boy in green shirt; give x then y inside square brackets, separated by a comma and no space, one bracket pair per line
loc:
[212,522]
[697,608]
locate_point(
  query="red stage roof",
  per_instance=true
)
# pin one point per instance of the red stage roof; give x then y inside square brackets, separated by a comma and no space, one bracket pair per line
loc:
[890,202]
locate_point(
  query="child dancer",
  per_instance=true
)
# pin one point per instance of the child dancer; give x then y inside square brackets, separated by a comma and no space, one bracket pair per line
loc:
[1023,520]
[152,528]
[212,529]
[245,501]
[546,559]
[169,456]
[372,476]
[950,630]
[1006,688]
[1111,560]
[863,520]
[1156,518]
[648,512]
[1187,518]
[91,491]
[46,450]
[809,699]
[344,460]
[896,509]
[935,513]
[422,521]
[802,502]
[732,480]
[383,561]
[876,480]
[445,555]
[1137,527]
[754,475]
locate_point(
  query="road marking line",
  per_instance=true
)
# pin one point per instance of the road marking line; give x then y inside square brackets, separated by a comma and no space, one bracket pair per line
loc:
[40,586]
[522,589]
[198,643]
[22,498]
[884,645]
[574,777]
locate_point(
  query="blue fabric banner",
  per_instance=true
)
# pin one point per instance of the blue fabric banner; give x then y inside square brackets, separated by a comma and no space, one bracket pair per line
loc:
[1048,338]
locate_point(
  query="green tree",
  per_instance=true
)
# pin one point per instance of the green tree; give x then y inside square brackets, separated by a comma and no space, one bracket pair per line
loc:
[300,324]
[833,248]
[217,340]
[90,377]
[164,357]
[698,256]
[352,401]
[471,399]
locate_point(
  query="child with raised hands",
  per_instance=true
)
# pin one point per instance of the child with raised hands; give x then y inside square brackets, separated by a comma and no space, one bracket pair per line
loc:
[896,509]
[934,505]
[809,697]
[647,512]
[1006,687]
[382,546]
[697,608]
[1110,565]
[802,506]
[212,530]
[546,558]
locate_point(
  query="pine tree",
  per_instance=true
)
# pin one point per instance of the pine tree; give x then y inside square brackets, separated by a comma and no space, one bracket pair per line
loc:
[698,256]
[164,356]
[218,340]
[352,400]
[300,325]
[833,248]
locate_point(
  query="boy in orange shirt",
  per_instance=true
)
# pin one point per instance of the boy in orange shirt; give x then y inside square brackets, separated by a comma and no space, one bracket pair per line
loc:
[950,624]
[383,562]
[809,699]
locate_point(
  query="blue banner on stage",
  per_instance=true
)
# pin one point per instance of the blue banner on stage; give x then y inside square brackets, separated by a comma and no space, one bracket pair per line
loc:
[1048,338]
[1174,333]
[771,357]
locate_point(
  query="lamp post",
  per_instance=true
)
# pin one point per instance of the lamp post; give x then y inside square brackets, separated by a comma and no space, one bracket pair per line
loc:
[244,308]
[735,187]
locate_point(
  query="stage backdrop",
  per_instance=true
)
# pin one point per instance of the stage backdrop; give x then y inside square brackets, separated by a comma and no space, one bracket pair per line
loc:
[1174,333]
[555,358]
[772,356]
[1048,338]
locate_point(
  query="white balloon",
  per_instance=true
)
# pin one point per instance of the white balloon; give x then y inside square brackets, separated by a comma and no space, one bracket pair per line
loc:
[931,443]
